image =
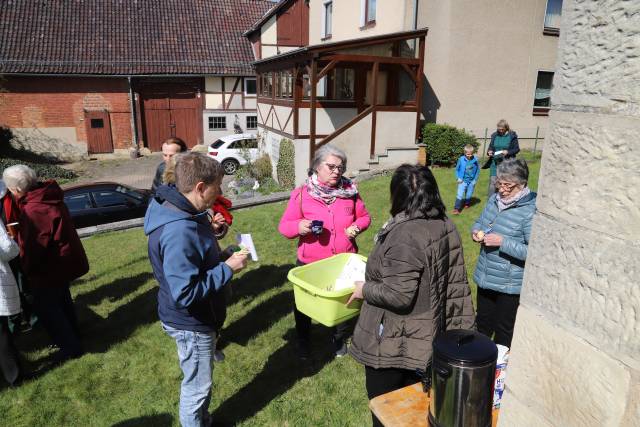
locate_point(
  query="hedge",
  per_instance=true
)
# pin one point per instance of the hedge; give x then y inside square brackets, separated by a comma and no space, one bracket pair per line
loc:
[286,165]
[445,143]
[43,170]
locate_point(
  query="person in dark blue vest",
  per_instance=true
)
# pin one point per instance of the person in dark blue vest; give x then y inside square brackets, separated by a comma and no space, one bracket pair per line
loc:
[186,263]
[467,173]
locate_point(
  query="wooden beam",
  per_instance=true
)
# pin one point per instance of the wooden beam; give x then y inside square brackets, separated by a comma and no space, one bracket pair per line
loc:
[297,96]
[374,102]
[345,126]
[330,66]
[233,92]
[419,89]
[372,58]
[313,80]
[410,72]
[288,119]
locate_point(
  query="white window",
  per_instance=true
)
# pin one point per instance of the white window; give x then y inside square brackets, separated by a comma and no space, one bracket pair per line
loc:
[217,123]
[367,12]
[552,17]
[544,84]
[371,11]
[327,18]
[250,86]
[252,122]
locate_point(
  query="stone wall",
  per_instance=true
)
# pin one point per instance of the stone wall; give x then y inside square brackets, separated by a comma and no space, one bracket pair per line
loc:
[575,357]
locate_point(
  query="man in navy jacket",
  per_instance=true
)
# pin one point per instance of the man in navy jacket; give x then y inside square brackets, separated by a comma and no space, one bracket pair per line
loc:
[186,263]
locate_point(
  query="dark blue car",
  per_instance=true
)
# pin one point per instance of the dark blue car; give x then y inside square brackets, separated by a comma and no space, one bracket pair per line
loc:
[104,202]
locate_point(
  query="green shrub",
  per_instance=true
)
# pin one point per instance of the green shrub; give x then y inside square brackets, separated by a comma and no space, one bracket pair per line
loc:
[268,186]
[44,171]
[286,165]
[262,168]
[445,143]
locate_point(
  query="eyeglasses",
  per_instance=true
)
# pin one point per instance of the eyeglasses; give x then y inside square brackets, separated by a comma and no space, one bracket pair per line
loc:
[333,167]
[506,185]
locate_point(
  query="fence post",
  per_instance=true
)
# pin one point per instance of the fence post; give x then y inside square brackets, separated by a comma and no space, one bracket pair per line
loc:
[484,144]
[535,142]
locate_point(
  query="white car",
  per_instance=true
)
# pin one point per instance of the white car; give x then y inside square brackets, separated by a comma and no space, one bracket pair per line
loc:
[234,150]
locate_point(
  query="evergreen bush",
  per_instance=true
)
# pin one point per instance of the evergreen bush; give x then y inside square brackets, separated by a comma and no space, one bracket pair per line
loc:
[445,143]
[286,165]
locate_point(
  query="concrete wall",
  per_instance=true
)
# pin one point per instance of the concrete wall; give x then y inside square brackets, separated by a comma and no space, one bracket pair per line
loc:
[327,119]
[390,17]
[473,84]
[575,357]
[269,36]
[395,129]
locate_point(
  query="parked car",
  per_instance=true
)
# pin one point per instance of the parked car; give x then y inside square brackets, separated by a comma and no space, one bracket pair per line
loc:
[104,202]
[234,150]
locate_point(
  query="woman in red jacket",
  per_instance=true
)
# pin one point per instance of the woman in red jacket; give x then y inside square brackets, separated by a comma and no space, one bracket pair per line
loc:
[51,254]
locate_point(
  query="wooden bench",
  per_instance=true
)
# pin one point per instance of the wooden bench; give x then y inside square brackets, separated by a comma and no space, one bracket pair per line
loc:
[408,407]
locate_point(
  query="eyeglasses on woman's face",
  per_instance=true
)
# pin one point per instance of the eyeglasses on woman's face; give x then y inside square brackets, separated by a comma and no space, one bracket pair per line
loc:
[333,167]
[506,185]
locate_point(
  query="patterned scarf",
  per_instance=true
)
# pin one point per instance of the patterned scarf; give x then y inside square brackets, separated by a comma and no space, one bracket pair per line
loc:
[345,189]
[507,203]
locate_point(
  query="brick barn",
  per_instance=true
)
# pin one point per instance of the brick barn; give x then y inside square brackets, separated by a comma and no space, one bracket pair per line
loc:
[96,76]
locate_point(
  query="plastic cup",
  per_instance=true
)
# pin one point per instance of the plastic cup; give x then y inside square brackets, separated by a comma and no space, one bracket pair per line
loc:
[317,226]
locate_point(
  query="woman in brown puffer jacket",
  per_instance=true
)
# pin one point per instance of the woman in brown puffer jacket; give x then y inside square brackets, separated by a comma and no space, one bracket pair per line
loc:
[416,286]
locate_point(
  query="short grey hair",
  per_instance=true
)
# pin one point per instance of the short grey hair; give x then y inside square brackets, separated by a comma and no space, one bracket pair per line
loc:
[20,177]
[192,168]
[325,151]
[513,170]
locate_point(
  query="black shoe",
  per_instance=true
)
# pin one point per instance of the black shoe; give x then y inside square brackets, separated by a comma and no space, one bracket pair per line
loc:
[304,349]
[340,348]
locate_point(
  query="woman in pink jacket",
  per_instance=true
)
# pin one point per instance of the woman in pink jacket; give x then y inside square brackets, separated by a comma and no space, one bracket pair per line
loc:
[325,214]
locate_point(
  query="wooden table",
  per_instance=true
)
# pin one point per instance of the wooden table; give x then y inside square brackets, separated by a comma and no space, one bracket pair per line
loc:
[407,406]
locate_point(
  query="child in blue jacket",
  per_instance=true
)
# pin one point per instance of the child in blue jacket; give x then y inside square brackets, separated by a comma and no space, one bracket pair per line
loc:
[467,173]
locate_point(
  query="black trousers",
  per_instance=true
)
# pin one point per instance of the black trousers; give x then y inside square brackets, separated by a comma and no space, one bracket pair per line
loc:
[341,331]
[57,315]
[8,353]
[497,315]
[381,381]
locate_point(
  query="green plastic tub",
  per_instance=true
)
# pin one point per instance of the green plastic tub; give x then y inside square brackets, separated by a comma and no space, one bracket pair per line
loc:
[309,290]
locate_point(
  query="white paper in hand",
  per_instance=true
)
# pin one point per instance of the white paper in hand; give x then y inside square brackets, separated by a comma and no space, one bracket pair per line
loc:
[245,241]
[352,272]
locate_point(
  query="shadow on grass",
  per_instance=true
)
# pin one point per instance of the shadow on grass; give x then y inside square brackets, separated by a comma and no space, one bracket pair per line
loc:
[263,278]
[474,201]
[281,372]
[98,333]
[160,420]
[258,320]
[91,276]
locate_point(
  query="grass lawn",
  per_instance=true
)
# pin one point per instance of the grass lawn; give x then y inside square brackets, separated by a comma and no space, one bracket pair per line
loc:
[130,375]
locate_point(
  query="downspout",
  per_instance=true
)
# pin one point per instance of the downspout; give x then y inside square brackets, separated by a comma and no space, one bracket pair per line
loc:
[414,24]
[134,129]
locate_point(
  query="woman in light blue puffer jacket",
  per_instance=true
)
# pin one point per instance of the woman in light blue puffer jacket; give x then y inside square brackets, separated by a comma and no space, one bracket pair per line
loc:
[503,231]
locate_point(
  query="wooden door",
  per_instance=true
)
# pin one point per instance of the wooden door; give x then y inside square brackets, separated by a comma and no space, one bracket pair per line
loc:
[98,128]
[157,121]
[171,110]
[184,115]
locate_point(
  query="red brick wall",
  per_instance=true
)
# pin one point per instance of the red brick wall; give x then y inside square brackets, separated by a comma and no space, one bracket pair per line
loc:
[44,102]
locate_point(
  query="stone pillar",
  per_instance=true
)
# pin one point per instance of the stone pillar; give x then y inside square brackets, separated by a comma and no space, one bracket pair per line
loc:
[575,358]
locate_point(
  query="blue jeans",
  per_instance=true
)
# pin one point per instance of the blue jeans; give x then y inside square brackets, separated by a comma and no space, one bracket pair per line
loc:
[195,354]
[465,191]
